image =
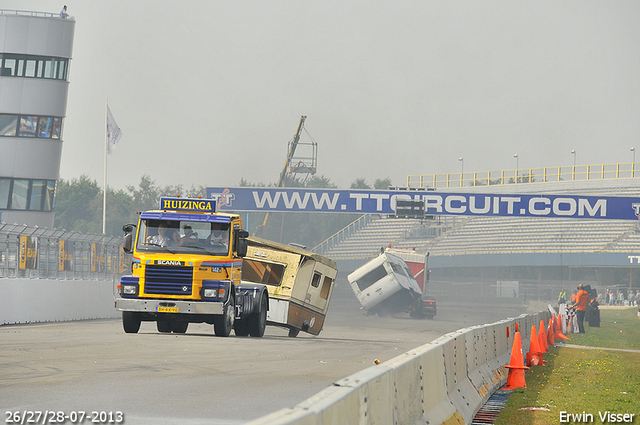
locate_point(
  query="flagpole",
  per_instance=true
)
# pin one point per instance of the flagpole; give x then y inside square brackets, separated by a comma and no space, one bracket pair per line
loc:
[104,190]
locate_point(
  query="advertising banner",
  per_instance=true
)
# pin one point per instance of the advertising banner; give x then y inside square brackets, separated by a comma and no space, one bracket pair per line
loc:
[65,255]
[28,253]
[261,199]
[97,258]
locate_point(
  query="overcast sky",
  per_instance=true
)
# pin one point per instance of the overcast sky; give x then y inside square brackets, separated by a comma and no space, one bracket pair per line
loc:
[209,92]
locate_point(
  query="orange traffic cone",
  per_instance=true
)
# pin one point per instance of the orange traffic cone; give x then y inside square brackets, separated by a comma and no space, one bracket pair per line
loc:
[559,334]
[534,356]
[542,338]
[550,339]
[516,366]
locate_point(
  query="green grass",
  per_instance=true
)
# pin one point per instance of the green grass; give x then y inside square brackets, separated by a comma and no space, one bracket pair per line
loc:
[619,328]
[577,380]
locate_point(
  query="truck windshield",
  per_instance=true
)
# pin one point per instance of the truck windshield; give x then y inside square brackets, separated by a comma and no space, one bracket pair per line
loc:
[183,237]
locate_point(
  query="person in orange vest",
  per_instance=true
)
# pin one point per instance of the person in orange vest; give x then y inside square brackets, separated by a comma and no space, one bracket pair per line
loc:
[581,303]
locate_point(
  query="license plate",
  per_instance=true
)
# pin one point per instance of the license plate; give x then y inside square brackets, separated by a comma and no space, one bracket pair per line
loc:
[167,309]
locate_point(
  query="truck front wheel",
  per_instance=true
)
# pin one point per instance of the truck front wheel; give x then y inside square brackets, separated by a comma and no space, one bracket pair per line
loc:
[178,327]
[130,322]
[163,325]
[223,324]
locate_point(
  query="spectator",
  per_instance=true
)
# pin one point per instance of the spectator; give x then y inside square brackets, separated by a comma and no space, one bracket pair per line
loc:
[582,301]
[63,12]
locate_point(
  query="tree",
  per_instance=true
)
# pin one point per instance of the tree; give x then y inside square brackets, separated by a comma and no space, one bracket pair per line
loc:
[147,195]
[76,206]
[382,183]
[320,182]
[360,184]
[120,211]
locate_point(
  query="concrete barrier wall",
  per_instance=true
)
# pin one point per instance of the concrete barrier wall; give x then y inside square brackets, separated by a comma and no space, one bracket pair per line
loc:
[44,300]
[444,382]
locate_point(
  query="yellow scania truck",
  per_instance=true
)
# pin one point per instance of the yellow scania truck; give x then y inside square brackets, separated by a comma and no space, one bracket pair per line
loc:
[186,268]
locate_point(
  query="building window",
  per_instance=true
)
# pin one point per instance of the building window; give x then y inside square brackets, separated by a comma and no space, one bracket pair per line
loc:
[45,126]
[20,194]
[50,191]
[37,195]
[30,126]
[5,189]
[27,195]
[57,126]
[8,124]
[33,66]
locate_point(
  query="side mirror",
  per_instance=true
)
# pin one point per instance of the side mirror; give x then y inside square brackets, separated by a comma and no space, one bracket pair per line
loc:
[242,247]
[243,234]
[128,230]
[128,239]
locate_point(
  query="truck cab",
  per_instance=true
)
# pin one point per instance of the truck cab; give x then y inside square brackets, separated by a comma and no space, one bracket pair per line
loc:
[186,268]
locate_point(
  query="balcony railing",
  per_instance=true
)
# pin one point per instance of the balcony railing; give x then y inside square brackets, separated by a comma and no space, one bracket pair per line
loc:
[526,175]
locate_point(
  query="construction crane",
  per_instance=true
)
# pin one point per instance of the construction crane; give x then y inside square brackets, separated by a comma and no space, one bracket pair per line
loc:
[295,165]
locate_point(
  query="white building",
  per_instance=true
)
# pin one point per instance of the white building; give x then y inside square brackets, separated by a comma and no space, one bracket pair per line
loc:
[35,55]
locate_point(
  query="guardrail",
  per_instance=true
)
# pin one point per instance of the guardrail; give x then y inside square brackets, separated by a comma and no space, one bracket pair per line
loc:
[40,253]
[525,175]
[31,13]
[445,381]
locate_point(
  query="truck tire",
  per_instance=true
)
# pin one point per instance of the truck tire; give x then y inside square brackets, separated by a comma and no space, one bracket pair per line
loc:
[223,324]
[241,327]
[130,322]
[258,320]
[163,326]
[179,327]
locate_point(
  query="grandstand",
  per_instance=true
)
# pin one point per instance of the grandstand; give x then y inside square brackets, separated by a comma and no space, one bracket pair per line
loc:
[483,235]
[487,249]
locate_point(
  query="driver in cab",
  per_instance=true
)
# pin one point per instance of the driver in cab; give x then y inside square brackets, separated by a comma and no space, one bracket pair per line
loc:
[160,239]
[219,235]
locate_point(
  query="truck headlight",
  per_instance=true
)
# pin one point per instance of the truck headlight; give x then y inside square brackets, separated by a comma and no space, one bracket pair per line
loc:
[210,293]
[214,290]
[129,289]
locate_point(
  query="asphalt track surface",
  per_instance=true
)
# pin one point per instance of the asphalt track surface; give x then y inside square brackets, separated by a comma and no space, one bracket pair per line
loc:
[197,378]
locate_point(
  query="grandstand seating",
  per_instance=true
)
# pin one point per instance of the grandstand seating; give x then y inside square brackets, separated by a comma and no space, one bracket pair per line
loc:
[483,235]
[367,241]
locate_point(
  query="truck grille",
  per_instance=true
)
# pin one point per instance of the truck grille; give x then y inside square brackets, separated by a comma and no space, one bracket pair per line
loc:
[168,280]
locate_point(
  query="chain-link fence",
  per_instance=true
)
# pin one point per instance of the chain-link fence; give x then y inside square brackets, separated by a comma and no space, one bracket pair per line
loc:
[32,252]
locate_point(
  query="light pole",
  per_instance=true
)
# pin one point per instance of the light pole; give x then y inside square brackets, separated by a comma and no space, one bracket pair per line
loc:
[515,155]
[633,164]
[574,158]
[461,159]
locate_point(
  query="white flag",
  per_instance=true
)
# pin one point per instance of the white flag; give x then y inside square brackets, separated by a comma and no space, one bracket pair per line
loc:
[113,132]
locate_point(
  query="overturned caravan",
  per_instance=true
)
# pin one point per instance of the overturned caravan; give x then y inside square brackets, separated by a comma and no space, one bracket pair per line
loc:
[385,285]
[299,283]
